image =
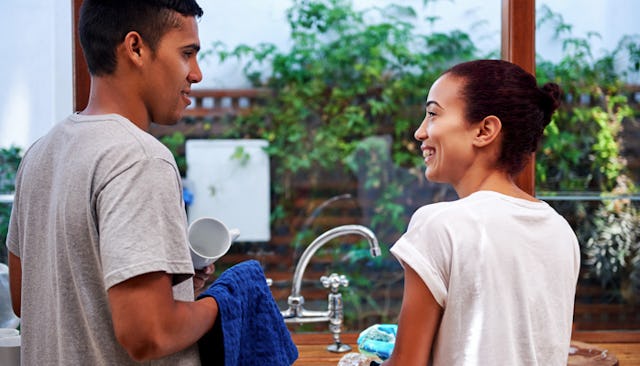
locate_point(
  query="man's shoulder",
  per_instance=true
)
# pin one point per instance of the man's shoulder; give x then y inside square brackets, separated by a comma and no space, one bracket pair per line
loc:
[117,135]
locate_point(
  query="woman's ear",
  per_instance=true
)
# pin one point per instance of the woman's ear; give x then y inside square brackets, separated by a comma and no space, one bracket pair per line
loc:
[488,130]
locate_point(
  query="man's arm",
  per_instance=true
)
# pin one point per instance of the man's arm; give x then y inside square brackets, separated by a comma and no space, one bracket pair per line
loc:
[15,282]
[418,323]
[150,324]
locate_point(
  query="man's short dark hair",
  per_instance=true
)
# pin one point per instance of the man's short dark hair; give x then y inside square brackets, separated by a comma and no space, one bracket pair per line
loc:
[103,25]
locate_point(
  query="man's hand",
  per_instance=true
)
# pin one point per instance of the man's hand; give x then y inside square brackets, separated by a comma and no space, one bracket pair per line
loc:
[201,277]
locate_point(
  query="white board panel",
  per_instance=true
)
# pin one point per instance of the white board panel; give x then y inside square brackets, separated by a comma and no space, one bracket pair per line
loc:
[230,181]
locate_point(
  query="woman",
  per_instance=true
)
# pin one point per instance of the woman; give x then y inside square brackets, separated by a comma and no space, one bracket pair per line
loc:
[489,278]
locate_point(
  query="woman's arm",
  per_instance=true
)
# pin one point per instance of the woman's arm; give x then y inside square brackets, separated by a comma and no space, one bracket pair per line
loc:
[418,323]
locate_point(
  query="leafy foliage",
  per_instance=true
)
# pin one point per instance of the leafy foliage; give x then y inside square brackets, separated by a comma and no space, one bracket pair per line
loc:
[613,249]
[350,90]
[346,98]
[9,160]
[581,152]
[345,78]
[175,143]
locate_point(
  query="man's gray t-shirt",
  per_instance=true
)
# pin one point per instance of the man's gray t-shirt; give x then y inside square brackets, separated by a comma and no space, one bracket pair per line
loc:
[98,201]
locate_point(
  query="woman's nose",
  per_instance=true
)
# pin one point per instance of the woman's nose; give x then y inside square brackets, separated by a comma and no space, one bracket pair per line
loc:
[421,132]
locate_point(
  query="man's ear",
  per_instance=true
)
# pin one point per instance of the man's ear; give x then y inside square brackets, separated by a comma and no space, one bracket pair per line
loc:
[488,130]
[134,47]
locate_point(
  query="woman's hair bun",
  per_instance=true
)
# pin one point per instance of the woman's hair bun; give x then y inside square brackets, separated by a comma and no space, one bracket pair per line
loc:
[552,93]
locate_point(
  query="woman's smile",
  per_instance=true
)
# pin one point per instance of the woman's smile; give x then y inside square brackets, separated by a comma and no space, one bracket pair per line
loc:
[427,153]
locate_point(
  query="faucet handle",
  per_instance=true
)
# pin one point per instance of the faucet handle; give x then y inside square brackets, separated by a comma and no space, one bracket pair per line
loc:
[334,281]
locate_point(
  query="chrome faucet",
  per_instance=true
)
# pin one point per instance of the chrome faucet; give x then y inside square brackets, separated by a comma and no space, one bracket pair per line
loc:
[296,313]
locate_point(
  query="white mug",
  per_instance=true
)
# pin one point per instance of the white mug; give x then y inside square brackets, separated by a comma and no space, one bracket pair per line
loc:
[10,350]
[209,239]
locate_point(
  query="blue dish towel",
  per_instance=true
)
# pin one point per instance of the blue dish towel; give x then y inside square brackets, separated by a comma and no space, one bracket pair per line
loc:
[249,329]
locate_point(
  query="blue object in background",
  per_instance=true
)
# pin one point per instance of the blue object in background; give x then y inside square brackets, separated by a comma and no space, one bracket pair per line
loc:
[187,196]
[378,341]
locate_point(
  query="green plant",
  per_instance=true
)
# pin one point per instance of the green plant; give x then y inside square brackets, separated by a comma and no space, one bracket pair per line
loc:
[612,250]
[346,98]
[9,161]
[349,92]
[345,78]
[582,149]
[382,181]
[175,144]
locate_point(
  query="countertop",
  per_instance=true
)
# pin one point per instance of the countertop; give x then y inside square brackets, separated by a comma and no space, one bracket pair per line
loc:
[312,349]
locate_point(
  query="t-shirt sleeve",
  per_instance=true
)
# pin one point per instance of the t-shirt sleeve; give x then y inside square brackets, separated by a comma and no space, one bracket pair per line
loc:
[142,224]
[425,247]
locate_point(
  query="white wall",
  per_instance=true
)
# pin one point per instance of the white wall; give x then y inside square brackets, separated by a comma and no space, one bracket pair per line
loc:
[612,19]
[239,22]
[35,70]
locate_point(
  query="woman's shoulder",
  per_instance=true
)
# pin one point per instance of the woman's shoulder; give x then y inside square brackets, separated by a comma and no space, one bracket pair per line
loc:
[437,209]
[447,213]
[444,211]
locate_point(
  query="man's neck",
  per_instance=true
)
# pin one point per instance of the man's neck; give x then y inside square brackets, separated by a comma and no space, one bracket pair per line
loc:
[113,95]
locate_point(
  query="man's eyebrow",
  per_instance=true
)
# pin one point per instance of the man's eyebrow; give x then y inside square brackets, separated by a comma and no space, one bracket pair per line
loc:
[193,46]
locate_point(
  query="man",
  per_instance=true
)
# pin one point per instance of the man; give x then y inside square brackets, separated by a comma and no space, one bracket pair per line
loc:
[100,269]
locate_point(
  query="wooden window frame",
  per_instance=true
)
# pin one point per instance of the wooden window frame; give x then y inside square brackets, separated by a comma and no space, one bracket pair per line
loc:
[81,79]
[519,46]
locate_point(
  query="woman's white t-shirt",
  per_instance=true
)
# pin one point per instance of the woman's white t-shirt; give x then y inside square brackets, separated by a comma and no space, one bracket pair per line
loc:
[504,270]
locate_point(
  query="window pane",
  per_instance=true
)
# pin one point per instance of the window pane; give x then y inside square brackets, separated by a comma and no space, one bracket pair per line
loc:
[342,98]
[589,164]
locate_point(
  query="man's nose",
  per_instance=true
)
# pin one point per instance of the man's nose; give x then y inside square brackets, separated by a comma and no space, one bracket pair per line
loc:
[195,76]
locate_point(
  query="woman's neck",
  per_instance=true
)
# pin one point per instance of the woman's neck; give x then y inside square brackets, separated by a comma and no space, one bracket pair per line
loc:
[497,181]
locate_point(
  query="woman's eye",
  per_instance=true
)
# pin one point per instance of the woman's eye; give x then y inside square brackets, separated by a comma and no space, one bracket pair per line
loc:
[431,114]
